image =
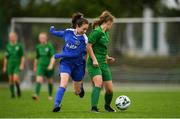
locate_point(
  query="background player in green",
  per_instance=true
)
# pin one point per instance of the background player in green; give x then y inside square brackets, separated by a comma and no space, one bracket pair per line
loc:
[42,65]
[13,63]
[97,63]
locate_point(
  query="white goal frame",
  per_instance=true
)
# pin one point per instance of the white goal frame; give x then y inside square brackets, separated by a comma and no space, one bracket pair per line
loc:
[146,22]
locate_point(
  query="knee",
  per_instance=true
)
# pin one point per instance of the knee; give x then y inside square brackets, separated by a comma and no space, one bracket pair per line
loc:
[97,81]
[39,79]
[50,81]
[98,84]
[16,77]
[63,84]
[109,90]
[11,82]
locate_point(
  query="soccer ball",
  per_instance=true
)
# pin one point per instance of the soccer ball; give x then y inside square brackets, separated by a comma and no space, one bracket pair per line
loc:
[122,102]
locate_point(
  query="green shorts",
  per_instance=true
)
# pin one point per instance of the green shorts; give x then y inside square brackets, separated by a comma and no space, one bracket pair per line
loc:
[43,71]
[13,68]
[102,69]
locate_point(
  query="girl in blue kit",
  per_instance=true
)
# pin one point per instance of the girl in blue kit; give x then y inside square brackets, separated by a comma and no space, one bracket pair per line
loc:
[72,62]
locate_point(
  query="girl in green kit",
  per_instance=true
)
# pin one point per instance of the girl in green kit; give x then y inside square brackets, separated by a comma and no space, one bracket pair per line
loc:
[98,60]
[13,63]
[43,65]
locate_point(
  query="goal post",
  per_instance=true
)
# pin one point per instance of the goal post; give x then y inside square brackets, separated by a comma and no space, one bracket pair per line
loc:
[149,28]
[137,37]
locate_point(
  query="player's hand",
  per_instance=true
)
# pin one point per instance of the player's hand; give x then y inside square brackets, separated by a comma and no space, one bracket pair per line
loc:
[50,67]
[4,69]
[21,67]
[95,63]
[110,60]
[51,29]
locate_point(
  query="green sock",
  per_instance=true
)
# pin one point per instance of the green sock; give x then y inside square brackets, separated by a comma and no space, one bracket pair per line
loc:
[95,96]
[50,88]
[12,90]
[38,87]
[108,98]
[18,89]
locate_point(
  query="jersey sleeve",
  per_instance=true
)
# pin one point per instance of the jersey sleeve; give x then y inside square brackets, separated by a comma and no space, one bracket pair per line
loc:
[57,33]
[94,37]
[86,38]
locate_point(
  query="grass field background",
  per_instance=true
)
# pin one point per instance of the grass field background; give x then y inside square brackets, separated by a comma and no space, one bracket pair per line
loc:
[148,101]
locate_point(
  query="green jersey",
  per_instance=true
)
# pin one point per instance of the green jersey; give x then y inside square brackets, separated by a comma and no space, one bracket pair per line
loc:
[14,53]
[44,52]
[99,41]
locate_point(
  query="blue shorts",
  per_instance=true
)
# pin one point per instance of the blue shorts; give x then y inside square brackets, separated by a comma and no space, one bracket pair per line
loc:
[75,70]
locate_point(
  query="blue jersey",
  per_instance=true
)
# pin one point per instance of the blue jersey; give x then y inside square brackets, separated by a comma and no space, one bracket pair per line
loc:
[75,45]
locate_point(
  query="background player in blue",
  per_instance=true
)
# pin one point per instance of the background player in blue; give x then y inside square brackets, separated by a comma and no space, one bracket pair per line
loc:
[72,57]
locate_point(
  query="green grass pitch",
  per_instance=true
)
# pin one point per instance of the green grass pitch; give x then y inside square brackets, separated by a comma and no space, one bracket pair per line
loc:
[145,104]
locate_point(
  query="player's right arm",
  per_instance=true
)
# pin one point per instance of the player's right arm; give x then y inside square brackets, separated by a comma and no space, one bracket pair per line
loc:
[36,60]
[56,33]
[51,64]
[35,65]
[21,53]
[5,61]
[5,64]
[92,39]
[91,54]
[52,60]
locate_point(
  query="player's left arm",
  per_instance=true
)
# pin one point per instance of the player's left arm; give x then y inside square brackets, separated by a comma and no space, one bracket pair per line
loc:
[22,63]
[5,61]
[86,56]
[109,59]
[56,33]
[52,60]
[5,64]
[51,63]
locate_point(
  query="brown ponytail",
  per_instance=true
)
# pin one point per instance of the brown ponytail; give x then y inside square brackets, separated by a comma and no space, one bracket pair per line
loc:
[103,18]
[78,19]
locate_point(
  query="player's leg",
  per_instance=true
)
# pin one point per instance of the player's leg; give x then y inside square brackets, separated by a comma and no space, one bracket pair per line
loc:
[17,79]
[65,70]
[50,87]
[97,81]
[10,70]
[11,84]
[39,81]
[77,77]
[108,96]
[17,83]
[61,90]
[96,77]
[49,74]
[108,84]
[78,88]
